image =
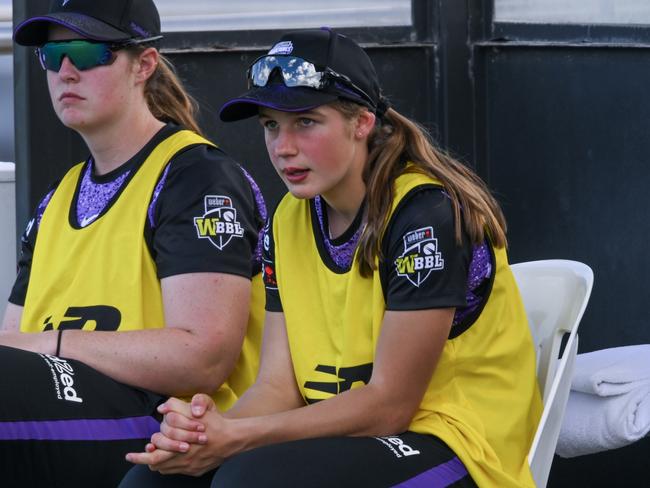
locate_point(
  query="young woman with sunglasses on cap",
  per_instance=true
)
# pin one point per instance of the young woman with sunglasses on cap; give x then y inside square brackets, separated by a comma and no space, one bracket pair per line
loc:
[396,348]
[151,244]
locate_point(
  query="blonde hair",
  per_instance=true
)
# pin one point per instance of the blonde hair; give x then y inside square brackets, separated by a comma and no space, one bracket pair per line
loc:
[397,141]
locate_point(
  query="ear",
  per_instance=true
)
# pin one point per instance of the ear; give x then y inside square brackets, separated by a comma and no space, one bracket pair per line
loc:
[364,124]
[146,64]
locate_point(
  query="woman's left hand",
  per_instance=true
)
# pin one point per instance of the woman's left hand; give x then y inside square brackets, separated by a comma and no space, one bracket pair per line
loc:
[197,461]
[184,444]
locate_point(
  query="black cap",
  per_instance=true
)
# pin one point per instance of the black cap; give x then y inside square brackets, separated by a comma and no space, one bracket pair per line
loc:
[325,48]
[98,20]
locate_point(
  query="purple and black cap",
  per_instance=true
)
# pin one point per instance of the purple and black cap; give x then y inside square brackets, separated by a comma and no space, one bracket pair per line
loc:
[328,51]
[98,20]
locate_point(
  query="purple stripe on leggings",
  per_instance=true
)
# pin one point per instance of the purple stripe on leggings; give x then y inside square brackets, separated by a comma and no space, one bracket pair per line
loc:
[80,430]
[442,475]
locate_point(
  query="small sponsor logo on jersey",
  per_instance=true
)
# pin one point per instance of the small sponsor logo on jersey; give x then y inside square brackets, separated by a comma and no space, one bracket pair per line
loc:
[63,378]
[219,223]
[284,47]
[88,220]
[267,239]
[420,256]
[270,282]
[29,227]
[397,446]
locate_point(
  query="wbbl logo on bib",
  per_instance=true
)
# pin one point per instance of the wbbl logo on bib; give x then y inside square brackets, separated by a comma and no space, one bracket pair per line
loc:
[219,223]
[420,256]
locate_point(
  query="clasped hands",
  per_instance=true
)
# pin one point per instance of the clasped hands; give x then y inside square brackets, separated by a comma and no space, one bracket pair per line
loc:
[192,438]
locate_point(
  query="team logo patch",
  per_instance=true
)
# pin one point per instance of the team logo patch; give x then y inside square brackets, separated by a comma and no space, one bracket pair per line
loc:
[284,47]
[219,223]
[420,256]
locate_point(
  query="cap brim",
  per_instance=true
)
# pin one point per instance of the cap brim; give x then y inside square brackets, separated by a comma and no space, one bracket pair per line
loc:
[35,31]
[276,97]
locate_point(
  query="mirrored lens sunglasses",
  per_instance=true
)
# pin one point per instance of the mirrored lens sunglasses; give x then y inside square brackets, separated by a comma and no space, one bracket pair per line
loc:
[82,53]
[298,72]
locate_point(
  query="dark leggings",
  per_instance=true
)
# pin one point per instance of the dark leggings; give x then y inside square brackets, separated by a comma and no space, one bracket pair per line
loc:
[409,460]
[64,424]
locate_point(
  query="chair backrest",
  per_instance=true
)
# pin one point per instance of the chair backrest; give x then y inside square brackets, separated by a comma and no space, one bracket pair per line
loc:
[555,294]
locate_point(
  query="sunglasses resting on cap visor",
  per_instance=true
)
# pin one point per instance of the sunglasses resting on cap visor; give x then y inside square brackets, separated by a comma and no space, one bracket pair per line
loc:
[298,72]
[82,53]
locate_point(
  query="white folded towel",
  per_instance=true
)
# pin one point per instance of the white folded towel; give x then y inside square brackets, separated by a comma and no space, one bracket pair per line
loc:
[612,371]
[593,423]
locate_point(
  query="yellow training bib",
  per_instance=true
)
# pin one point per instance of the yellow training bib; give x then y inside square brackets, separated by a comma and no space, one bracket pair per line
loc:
[482,400]
[102,276]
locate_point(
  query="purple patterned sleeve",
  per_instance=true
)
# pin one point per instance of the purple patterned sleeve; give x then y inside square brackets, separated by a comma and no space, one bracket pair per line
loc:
[480,269]
[261,209]
[42,206]
[156,194]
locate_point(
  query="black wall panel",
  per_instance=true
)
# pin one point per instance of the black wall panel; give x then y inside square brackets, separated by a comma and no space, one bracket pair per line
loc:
[568,156]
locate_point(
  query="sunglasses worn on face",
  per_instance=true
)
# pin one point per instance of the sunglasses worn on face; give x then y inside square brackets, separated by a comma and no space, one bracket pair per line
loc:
[82,53]
[298,72]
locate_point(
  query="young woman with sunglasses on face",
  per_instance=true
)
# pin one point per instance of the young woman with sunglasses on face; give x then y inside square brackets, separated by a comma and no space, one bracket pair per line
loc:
[151,244]
[396,348]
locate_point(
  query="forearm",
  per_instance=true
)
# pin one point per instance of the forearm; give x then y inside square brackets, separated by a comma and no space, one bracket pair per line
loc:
[385,406]
[170,361]
[195,351]
[402,371]
[12,316]
[265,399]
[275,388]
[363,411]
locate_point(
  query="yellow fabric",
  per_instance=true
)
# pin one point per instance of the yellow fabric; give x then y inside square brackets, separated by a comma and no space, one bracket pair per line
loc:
[245,371]
[482,401]
[108,264]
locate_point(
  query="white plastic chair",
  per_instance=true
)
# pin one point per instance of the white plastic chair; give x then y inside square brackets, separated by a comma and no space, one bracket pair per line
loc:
[555,294]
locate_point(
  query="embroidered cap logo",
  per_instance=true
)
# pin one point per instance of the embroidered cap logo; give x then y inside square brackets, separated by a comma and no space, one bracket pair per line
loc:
[283,48]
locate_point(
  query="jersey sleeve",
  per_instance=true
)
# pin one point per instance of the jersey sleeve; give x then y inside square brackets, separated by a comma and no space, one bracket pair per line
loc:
[205,218]
[27,245]
[423,266]
[273,302]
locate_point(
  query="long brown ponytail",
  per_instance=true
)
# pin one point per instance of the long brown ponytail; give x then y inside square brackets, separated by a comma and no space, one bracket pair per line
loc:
[398,141]
[167,98]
